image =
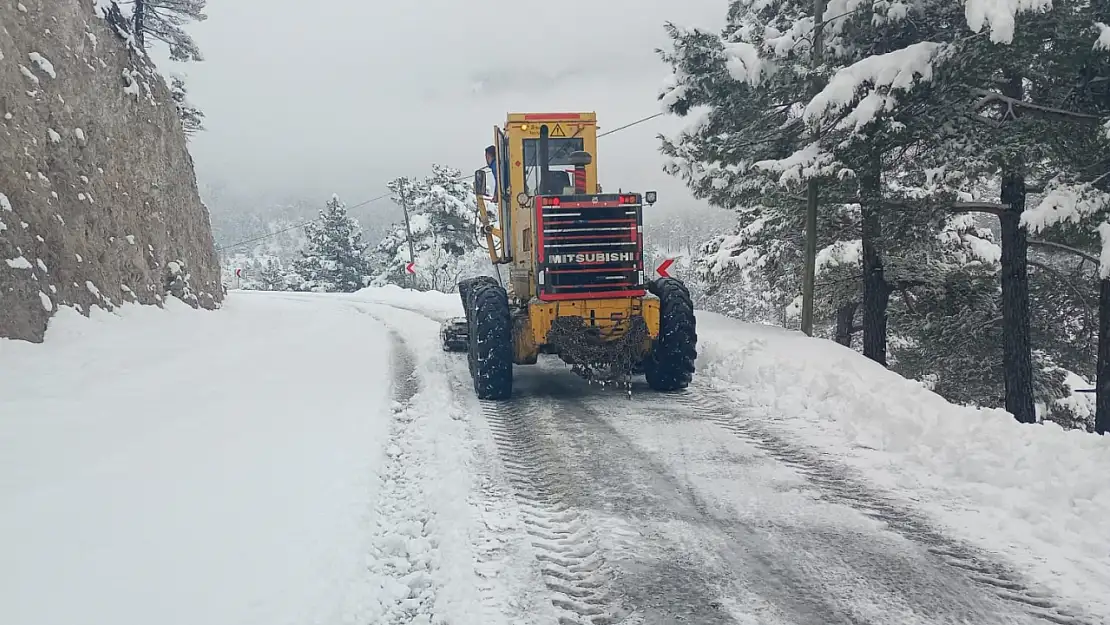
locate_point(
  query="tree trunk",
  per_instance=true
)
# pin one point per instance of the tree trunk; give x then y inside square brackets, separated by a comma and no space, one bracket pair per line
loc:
[876,291]
[1102,399]
[845,323]
[1017,356]
[140,22]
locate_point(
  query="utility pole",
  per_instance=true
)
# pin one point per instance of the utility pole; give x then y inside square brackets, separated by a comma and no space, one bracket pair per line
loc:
[809,271]
[408,228]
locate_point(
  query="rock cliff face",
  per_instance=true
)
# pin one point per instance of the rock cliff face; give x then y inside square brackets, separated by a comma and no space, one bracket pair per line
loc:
[98,198]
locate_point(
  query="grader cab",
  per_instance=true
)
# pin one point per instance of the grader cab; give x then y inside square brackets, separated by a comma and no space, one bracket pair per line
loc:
[576,286]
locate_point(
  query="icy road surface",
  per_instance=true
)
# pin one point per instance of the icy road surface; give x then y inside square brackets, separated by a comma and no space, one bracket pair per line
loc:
[318,459]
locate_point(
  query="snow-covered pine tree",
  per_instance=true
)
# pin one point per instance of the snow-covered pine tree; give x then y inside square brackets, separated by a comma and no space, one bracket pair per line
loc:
[753,150]
[272,276]
[192,118]
[443,223]
[334,260]
[903,94]
[162,20]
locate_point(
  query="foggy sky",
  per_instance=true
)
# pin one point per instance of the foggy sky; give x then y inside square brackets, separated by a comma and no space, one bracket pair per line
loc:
[310,98]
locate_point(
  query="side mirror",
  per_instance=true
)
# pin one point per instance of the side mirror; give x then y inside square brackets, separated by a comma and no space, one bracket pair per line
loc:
[580,159]
[480,182]
[650,197]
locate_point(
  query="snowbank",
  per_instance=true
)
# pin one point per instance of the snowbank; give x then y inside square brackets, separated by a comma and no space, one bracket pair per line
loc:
[1035,493]
[175,467]
[433,303]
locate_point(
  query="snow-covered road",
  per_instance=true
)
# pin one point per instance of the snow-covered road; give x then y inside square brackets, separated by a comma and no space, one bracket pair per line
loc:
[318,459]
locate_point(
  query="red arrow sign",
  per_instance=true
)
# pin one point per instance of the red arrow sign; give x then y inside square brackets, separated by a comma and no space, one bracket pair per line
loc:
[411,267]
[238,273]
[663,266]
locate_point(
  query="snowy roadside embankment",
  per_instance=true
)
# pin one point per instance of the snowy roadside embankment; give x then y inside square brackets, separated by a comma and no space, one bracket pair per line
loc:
[1035,493]
[436,304]
[172,466]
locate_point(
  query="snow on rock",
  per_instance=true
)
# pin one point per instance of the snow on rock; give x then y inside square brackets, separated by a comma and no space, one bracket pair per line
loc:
[19,262]
[80,134]
[54,136]
[47,303]
[246,503]
[1034,493]
[43,64]
[131,87]
[28,74]
[5,203]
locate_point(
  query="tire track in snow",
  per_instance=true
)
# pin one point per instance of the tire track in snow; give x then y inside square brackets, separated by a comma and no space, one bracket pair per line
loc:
[836,483]
[403,548]
[510,588]
[500,583]
[573,567]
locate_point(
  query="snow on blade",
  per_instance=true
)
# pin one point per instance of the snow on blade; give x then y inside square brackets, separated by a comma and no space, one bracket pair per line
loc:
[1034,493]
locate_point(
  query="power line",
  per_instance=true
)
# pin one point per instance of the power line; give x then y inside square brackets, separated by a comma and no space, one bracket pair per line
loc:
[637,122]
[385,195]
[294,227]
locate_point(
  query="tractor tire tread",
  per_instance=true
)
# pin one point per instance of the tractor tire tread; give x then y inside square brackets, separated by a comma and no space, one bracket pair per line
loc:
[491,341]
[671,364]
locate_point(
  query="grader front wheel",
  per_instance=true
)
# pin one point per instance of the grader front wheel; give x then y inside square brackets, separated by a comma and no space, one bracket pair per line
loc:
[670,366]
[491,341]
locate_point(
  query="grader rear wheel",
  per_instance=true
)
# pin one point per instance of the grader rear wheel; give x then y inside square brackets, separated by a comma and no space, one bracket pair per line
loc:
[670,366]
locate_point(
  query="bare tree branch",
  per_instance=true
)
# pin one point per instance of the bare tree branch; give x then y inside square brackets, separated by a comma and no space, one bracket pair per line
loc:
[988,97]
[1064,248]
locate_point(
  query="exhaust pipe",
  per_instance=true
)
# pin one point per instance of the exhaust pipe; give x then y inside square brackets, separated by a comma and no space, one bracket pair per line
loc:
[544,160]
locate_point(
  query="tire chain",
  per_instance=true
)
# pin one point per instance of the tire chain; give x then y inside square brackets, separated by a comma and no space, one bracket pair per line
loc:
[609,363]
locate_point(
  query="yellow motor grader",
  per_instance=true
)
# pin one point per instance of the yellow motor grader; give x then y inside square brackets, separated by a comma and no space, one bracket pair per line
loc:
[576,286]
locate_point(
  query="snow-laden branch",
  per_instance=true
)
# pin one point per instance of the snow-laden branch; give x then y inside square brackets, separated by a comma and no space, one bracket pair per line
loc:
[898,70]
[999,15]
[1065,203]
[809,162]
[1104,257]
[1103,41]
[839,254]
